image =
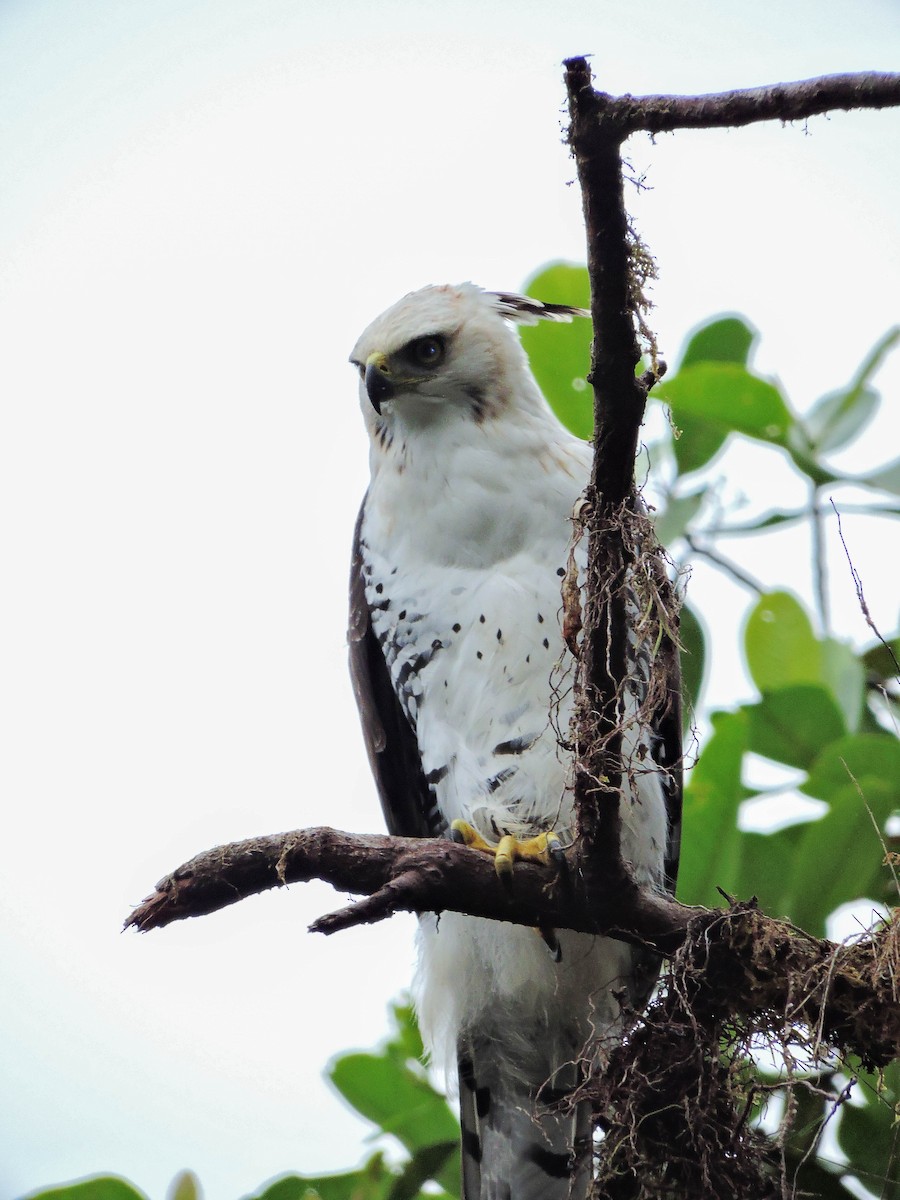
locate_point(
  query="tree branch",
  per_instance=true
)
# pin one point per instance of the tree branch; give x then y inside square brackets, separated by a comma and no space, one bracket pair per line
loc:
[619,267]
[619,402]
[745,106]
[410,875]
[750,963]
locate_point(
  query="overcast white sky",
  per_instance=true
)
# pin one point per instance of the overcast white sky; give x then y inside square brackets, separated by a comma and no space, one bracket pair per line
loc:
[204,201]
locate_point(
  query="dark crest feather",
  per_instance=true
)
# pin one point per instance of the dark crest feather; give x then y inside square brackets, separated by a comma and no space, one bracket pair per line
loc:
[525,310]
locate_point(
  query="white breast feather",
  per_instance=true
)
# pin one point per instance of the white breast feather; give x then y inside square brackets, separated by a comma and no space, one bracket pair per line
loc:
[466,529]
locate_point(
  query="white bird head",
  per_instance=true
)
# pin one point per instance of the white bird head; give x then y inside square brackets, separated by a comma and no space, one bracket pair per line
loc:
[447,353]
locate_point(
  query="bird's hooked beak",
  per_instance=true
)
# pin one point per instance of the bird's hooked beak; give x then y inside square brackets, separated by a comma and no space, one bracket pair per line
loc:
[378,381]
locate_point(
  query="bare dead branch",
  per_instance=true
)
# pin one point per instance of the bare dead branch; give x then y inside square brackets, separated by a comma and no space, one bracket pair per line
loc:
[619,402]
[410,875]
[746,106]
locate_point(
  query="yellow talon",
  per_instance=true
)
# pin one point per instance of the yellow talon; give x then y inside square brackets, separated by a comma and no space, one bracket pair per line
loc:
[506,854]
[544,847]
[468,835]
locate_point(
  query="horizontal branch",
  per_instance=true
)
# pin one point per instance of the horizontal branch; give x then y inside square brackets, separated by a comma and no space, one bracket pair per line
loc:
[746,963]
[745,106]
[411,875]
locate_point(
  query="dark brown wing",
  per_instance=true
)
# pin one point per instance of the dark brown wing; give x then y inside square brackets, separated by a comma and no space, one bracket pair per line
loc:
[390,739]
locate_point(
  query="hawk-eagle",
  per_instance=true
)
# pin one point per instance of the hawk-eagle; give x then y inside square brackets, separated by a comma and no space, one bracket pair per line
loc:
[463,682]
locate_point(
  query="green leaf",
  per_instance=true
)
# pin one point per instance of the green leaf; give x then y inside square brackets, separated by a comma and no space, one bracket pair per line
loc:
[780,645]
[885,479]
[370,1182]
[730,398]
[98,1187]
[867,1134]
[560,355]
[425,1165]
[859,777]
[697,441]
[406,1042]
[765,866]
[677,515]
[185,1186]
[766,522]
[836,419]
[871,759]
[839,417]
[710,849]
[725,339]
[845,676]
[792,724]
[399,1102]
[881,660]
[709,400]
[693,661]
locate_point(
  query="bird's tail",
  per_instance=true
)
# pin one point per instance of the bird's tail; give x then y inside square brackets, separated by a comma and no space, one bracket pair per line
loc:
[521,1140]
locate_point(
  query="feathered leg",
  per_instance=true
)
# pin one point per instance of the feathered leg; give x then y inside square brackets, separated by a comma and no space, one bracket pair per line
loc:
[520,1140]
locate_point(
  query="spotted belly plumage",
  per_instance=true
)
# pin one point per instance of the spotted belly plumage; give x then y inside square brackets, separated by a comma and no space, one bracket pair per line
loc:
[491,754]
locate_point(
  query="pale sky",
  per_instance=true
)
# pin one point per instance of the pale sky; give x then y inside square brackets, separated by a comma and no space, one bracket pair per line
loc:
[203,204]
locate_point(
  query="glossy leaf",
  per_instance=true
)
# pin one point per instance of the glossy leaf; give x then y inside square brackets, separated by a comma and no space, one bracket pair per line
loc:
[765,866]
[725,339]
[730,398]
[710,400]
[696,442]
[711,842]
[839,417]
[867,758]
[791,725]
[560,354]
[780,645]
[98,1187]
[845,675]
[400,1103]
[859,777]
[395,1099]
[370,1182]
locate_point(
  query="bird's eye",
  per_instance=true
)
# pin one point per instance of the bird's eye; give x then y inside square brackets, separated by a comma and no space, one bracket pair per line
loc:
[426,351]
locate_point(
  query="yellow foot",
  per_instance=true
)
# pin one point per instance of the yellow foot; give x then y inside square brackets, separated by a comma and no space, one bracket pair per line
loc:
[544,848]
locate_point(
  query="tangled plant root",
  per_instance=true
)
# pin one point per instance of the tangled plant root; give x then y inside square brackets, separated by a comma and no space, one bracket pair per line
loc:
[676,1099]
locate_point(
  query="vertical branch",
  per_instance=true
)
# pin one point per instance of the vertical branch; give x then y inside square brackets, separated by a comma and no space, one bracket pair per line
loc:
[595,136]
[819,560]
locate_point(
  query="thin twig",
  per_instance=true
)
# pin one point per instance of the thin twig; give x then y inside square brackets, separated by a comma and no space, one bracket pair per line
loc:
[724,564]
[857,583]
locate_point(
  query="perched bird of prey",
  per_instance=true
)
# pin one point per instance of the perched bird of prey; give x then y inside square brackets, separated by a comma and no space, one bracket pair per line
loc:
[463,681]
